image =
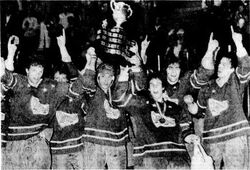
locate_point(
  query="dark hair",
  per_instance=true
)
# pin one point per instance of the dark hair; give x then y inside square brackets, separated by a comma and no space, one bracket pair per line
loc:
[72,20]
[36,59]
[156,75]
[230,55]
[105,67]
[87,45]
[62,69]
[172,59]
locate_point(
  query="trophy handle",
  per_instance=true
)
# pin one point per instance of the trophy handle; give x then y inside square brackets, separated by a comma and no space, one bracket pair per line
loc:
[130,11]
[112,4]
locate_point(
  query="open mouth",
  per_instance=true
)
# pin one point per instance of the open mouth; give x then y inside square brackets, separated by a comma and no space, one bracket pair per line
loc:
[36,79]
[155,92]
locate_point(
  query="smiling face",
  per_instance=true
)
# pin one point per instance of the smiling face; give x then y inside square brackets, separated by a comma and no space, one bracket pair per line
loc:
[224,68]
[105,80]
[173,73]
[105,76]
[34,73]
[156,89]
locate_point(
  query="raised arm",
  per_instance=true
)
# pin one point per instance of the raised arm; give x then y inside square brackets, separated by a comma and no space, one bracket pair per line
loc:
[12,47]
[144,46]
[66,58]
[201,76]
[86,82]
[243,69]
[8,65]
[131,80]
[213,47]
[61,41]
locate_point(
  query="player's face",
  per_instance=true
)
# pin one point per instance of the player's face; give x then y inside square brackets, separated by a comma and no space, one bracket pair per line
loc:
[156,89]
[173,72]
[35,73]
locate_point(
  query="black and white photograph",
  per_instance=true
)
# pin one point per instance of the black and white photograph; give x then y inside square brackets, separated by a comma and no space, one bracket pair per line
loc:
[125,84]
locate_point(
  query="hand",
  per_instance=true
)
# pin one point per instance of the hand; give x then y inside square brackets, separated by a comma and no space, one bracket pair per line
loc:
[144,46]
[107,106]
[91,56]
[192,138]
[134,48]
[61,40]
[213,44]
[124,75]
[193,108]
[145,43]
[188,99]
[237,38]
[104,23]
[12,45]
[167,98]
[135,60]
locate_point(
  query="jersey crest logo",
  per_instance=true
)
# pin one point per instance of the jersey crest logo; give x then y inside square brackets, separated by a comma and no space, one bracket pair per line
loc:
[161,120]
[217,107]
[37,107]
[111,112]
[65,119]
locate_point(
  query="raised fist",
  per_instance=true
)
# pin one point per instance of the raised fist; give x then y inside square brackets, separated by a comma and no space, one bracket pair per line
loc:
[188,99]
[104,23]
[91,56]
[134,47]
[144,46]
[145,43]
[237,37]
[12,44]
[213,44]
